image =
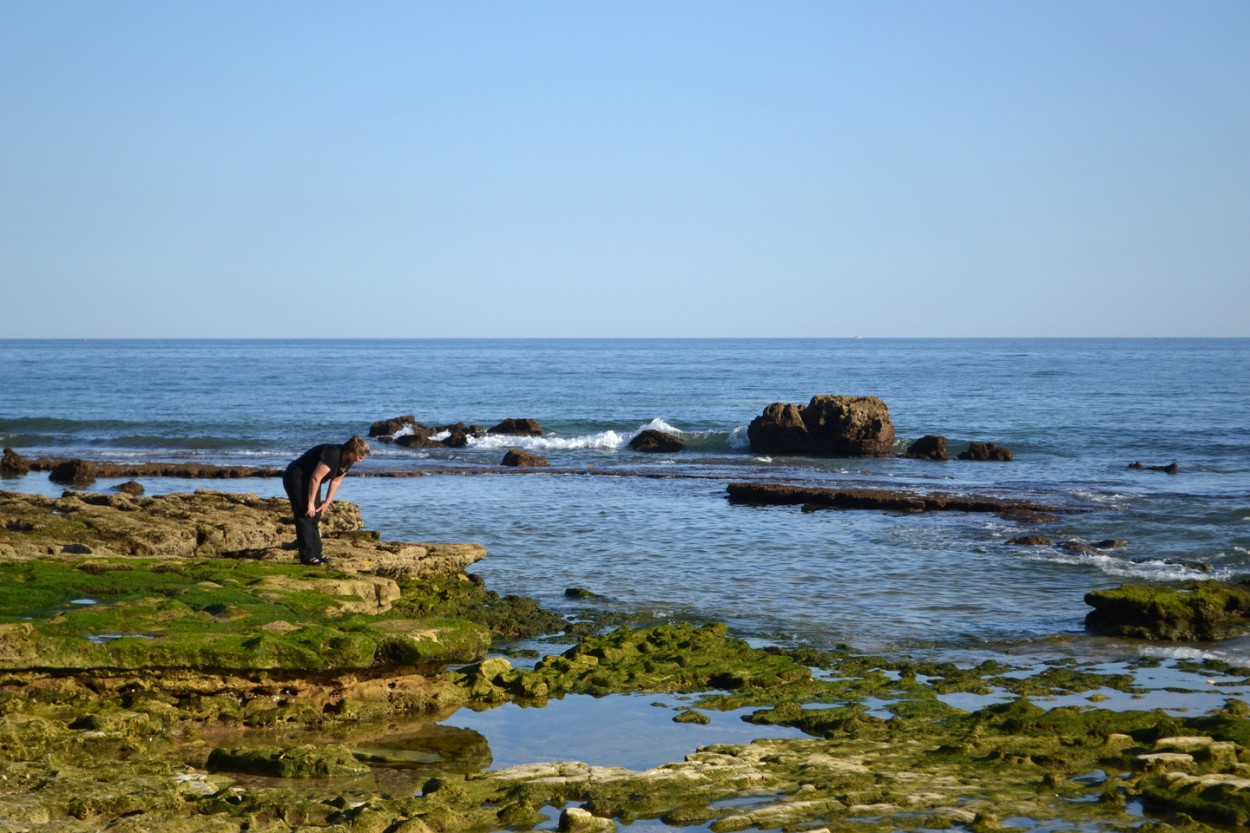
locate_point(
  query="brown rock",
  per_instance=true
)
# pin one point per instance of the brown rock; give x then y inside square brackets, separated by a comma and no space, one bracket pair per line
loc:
[1171,468]
[517,427]
[12,464]
[985,451]
[74,471]
[520,458]
[131,487]
[1030,541]
[658,442]
[928,447]
[390,427]
[828,426]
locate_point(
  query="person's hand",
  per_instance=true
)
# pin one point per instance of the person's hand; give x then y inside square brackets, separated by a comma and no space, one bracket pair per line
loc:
[311,513]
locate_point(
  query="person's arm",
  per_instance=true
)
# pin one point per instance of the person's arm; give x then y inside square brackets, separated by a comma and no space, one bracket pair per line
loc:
[314,487]
[334,487]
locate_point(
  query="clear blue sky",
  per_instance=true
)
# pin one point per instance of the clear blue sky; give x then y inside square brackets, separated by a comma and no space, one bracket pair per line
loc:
[480,169]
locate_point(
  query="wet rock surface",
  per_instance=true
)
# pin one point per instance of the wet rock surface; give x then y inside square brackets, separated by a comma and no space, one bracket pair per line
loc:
[520,458]
[773,494]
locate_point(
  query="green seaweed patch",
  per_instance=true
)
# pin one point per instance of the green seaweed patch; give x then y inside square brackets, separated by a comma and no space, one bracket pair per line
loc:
[214,614]
[306,761]
[1201,610]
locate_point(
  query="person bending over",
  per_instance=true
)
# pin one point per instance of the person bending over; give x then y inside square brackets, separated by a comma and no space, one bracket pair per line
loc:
[303,480]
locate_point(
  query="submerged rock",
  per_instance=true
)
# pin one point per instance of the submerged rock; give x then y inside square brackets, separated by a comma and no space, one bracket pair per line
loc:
[985,452]
[828,426]
[519,458]
[653,441]
[290,762]
[1171,468]
[774,494]
[517,427]
[928,447]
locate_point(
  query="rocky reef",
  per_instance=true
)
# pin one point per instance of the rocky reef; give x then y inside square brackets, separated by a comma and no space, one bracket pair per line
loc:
[166,665]
[893,500]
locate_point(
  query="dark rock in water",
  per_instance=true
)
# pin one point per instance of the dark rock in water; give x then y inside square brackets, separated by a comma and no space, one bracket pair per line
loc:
[985,451]
[517,427]
[773,494]
[523,459]
[1201,610]
[929,447]
[389,427]
[1025,516]
[12,464]
[418,437]
[1030,541]
[828,426]
[130,487]
[458,436]
[1074,545]
[1196,566]
[1171,468]
[580,593]
[657,442]
[73,471]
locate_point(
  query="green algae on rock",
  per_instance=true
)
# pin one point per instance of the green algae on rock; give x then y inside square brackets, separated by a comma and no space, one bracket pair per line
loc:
[1200,610]
[306,761]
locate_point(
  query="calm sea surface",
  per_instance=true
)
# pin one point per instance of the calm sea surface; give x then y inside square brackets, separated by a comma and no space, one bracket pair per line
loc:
[655,534]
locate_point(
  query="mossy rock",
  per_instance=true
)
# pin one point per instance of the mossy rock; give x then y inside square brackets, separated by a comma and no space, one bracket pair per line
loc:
[1199,611]
[327,761]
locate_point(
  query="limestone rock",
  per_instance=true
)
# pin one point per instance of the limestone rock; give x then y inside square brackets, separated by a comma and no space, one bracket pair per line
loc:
[828,426]
[654,441]
[131,487]
[517,457]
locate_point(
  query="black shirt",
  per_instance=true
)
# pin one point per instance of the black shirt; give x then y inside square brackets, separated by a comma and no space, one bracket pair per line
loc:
[329,453]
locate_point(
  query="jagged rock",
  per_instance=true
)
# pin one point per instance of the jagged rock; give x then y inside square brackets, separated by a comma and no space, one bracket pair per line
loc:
[1030,541]
[828,426]
[188,471]
[985,451]
[654,441]
[1171,468]
[928,447]
[389,427]
[74,471]
[12,464]
[130,487]
[309,761]
[518,427]
[520,458]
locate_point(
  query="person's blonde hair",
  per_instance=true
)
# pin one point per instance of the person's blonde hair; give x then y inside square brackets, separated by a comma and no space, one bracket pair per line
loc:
[357,446]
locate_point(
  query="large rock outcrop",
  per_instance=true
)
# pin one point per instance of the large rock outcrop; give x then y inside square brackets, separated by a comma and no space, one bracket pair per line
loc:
[828,426]
[657,442]
[208,524]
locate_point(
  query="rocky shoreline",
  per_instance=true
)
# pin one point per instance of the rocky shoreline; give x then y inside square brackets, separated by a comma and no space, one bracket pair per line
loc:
[152,648]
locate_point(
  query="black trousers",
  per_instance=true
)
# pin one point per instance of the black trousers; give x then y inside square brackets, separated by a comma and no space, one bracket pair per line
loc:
[307,530]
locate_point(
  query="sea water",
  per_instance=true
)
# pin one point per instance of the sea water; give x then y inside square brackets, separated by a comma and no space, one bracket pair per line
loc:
[654,535]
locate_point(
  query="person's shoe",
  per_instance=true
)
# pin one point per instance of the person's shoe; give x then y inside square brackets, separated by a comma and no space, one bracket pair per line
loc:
[315,561]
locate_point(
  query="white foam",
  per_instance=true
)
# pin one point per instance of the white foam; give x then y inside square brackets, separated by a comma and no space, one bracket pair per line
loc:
[738,438]
[602,441]
[1150,570]
[1232,657]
